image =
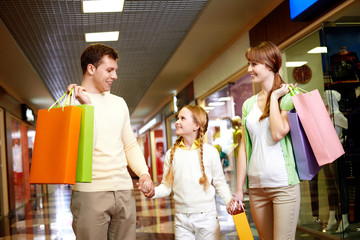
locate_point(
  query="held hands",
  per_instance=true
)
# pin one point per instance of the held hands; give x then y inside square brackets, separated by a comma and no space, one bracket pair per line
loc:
[146,185]
[78,91]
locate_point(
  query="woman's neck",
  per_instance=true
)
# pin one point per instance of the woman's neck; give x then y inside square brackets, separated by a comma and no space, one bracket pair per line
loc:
[267,86]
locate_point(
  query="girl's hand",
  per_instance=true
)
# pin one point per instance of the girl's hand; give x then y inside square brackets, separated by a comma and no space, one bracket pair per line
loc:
[146,185]
[235,206]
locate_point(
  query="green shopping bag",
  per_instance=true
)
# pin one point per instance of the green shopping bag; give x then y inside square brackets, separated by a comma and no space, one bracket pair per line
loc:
[85,149]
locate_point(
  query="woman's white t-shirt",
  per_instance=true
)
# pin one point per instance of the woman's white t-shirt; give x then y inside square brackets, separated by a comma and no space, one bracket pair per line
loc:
[267,163]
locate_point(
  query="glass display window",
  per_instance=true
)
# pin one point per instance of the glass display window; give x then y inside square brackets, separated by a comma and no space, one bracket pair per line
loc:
[170,130]
[159,150]
[327,60]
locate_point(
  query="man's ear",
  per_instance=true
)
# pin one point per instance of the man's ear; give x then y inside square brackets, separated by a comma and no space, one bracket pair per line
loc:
[91,68]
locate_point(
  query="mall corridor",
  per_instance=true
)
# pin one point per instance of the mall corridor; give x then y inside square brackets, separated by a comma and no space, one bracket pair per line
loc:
[174,53]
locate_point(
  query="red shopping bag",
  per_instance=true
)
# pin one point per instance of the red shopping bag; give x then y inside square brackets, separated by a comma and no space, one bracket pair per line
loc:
[318,127]
[56,146]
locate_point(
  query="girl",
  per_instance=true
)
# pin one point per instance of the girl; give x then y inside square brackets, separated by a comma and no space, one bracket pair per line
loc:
[265,153]
[192,171]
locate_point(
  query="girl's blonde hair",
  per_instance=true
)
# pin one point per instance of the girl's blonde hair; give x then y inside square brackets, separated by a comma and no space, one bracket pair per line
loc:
[269,54]
[201,118]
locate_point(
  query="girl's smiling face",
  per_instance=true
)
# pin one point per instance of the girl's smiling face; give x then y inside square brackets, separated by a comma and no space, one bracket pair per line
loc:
[185,125]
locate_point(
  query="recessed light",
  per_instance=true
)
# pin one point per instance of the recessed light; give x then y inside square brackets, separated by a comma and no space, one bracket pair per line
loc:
[102,36]
[318,50]
[103,6]
[295,64]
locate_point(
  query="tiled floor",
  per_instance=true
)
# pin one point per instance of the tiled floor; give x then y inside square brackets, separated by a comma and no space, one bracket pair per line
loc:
[49,217]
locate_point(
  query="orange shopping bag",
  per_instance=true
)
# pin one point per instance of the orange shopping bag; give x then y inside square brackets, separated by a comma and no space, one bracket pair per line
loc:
[56,144]
[242,224]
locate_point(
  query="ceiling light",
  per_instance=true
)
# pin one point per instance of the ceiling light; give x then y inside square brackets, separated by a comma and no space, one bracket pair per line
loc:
[216,103]
[295,64]
[208,108]
[103,6]
[102,36]
[224,99]
[318,50]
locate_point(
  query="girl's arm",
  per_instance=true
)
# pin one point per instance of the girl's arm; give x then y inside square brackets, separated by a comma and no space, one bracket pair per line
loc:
[241,167]
[218,177]
[279,124]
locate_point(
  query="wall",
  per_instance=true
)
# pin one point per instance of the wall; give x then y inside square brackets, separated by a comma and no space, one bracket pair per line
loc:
[229,63]
[298,52]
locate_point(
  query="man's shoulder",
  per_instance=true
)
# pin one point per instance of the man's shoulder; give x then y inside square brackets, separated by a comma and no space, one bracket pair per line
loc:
[116,98]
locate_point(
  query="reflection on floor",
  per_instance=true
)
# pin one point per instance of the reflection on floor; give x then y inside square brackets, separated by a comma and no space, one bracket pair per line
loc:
[49,217]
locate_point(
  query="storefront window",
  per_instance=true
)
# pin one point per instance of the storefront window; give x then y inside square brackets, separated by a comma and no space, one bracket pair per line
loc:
[224,128]
[17,160]
[170,130]
[330,64]
[160,146]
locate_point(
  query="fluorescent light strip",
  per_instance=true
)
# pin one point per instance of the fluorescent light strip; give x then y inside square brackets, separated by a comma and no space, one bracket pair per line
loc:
[318,50]
[102,36]
[216,104]
[295,64]
[224,99]
[103,6]
[208,108]
[147,126]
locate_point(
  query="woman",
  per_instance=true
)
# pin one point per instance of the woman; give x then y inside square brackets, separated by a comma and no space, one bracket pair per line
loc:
[265,155]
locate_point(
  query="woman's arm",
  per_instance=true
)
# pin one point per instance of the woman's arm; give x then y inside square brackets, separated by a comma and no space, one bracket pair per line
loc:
[279,124]
[241,167]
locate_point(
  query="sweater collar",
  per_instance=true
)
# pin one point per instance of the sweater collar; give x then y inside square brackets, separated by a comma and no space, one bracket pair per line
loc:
[194,146]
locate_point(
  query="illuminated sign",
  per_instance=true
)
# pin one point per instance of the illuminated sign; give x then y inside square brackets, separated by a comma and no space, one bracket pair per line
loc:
[27,113]
[305,10]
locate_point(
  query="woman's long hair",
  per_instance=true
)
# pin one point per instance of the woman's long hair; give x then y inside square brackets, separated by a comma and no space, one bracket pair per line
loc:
[269,54]
[201,118]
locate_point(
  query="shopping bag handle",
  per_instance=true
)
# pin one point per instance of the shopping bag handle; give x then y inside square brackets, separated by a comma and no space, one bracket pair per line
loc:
[69,95]
[296,90]
[241,204]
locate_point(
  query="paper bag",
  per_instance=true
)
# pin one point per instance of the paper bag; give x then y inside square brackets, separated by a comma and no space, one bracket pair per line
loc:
[306,163]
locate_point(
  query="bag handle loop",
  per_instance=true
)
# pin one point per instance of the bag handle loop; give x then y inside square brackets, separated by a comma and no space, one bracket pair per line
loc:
[241,204]
[69,95]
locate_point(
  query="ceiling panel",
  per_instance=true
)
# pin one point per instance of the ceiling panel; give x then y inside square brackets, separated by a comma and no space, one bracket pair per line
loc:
[51,35]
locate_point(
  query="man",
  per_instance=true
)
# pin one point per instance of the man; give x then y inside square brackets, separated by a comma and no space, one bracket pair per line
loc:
[105,208]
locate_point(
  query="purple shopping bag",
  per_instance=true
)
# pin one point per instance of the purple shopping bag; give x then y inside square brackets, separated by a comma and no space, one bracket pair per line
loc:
[306,162]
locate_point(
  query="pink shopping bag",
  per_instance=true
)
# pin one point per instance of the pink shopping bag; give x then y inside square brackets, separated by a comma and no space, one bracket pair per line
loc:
[318,127]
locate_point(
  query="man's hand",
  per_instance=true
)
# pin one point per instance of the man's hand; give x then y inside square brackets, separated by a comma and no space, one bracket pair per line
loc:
[78,92]
[146,185]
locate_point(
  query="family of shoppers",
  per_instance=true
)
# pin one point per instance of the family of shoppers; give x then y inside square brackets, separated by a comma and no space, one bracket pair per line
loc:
[105,208]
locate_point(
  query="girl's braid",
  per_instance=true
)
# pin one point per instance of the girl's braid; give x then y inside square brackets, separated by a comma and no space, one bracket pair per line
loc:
[203,180]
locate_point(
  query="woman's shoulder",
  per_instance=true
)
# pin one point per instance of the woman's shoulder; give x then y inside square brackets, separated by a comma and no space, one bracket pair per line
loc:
[248,104]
